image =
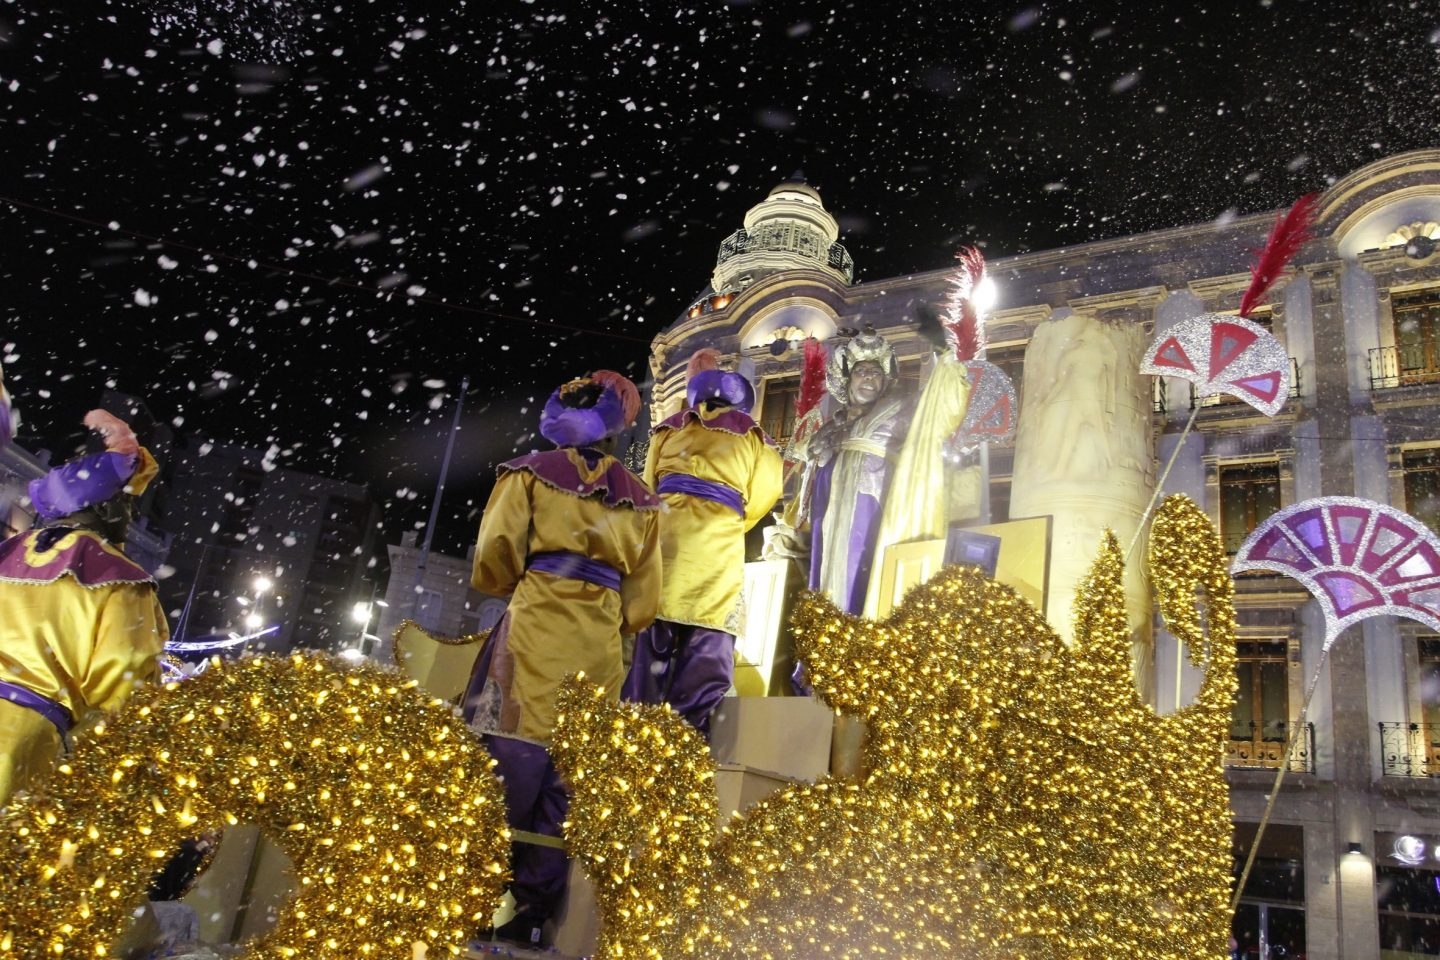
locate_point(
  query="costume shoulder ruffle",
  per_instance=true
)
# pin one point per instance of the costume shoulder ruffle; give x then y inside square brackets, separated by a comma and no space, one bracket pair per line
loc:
[40,557]
[729,421]
[568,472]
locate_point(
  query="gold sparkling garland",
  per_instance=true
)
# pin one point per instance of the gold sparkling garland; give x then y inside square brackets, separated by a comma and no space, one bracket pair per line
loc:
[381,798]
[1021,801]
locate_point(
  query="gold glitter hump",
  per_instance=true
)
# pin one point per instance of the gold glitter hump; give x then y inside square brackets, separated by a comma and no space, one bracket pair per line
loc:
[1022,802]
[381,798]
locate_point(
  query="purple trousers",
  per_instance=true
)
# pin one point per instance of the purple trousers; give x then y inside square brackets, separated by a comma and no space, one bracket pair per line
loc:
[691,668]
[535,800]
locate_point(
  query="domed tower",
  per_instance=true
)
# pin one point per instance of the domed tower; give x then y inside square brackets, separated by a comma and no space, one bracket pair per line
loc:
[789,229]
[780,278]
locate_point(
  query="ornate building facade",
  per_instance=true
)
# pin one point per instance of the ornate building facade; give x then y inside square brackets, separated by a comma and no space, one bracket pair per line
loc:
[1349,868]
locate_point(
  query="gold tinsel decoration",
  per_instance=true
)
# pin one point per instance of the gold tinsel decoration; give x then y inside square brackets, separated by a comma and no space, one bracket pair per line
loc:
[381,798]
[1022,802]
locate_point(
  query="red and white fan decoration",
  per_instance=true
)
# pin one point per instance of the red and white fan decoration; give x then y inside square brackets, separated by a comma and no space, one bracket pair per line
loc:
[992,411]
[1224,354]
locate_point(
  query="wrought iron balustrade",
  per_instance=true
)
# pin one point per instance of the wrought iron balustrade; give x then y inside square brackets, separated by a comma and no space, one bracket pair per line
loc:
[788,238]
[734,245]
[1261,746]
[1232,541]
[1406,365]
[838,258]
[1410,749]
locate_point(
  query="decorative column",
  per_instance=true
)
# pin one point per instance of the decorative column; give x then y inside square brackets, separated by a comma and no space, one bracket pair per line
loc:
[1083,455]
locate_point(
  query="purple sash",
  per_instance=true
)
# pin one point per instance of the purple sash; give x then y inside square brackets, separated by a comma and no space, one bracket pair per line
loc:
[47,708]
[575,566]
[693,486]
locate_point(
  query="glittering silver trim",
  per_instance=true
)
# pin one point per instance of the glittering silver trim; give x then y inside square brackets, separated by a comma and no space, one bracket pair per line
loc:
[1358,558]
[1224,354]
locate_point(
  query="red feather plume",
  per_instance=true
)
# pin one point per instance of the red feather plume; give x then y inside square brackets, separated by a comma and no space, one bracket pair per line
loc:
[963,328]
[812,378]
[1289,234]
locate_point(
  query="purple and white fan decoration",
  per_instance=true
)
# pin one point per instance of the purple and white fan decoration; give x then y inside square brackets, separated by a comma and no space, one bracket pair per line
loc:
[1357,557]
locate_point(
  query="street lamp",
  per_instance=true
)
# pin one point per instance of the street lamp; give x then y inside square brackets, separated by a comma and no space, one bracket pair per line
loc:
[255,619]
[361,613]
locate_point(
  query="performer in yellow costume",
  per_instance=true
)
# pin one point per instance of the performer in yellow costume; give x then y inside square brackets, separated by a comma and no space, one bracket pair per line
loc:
[571,537]
[80,623]
[718,474]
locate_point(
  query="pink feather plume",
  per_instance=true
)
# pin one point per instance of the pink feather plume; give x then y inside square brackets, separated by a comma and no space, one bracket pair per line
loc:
[706,358]
[118,436]
[624,387]
[1289,234]
[963,327]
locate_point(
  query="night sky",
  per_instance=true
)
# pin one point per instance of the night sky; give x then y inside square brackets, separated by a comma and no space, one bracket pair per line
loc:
[296,225]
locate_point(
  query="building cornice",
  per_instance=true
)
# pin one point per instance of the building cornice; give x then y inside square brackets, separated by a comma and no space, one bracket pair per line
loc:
[1120,301]
[1370,177]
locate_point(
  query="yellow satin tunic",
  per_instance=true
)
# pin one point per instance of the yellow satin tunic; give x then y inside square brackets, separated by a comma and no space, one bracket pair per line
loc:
[703,542]
[916,506]
[84,647]
[560,625]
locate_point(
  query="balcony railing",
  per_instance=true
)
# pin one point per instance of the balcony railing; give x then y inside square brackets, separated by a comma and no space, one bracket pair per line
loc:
[788,238]
[1233,540]
[1410,749]
[1408,365]
[1261,746]
[1225,399]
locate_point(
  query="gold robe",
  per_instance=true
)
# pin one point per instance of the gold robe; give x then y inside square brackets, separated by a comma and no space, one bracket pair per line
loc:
[916,504]
[703,542]
[81,645]
[560,625]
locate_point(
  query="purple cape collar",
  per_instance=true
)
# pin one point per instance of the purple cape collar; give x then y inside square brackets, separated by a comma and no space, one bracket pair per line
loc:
[79,554]
[568,471]
[730,421]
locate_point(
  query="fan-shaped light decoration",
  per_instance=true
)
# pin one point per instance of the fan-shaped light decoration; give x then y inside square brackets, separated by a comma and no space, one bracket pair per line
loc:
[991,415]
[1224,354]
[998,819]
[1416,229]
[1359,558]
[381,798]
